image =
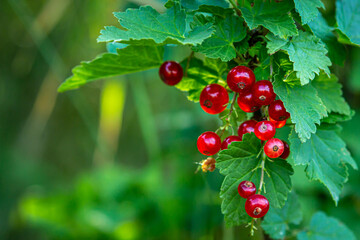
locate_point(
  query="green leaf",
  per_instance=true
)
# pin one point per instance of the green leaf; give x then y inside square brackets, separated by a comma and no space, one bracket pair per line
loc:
[277,221]
[196,4]
[333,118]
[241,162]
[324,227]
[330,93]
[221,44]
[308,9]
[307,53]
[272,15]
[199,75]
[348,19]
[324,156]
[169,27]
[337,52]
[216,10]
[108,65]
[305,107]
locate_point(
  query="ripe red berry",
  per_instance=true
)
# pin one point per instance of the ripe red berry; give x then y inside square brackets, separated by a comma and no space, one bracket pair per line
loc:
[265,130]
[263,92]
[274,148]
[246,189]
[246,102]
[256,206]
[278,124]
[214,99]
[171,73]
[277,111]
[229,140]
[246,127]
[240,79]
[286,152]
[209,143]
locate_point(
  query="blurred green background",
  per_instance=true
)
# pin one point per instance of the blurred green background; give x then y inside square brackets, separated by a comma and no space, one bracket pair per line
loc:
[116,159]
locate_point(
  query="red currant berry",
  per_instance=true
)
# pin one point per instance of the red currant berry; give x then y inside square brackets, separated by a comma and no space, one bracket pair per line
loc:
[277,111]
[265,130]
[229,140]
[246,102]
[214,99]
[246,189]
[240,79]
[209,143]
[256,206]
[246,127]
[286,152]
[274,148]
[278,124]
[263,92]
[171,73]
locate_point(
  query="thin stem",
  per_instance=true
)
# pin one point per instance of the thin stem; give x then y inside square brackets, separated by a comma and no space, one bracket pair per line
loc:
[229,115]
[271,68]
[262,172]
[232,106]
[252,227]
[242,59]
[188,63]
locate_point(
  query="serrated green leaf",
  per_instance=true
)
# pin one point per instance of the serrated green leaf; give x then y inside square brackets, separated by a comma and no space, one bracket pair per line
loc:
[324,156]
[108,65]
[216,10]
[196,4]
[305,107]
[308,9]
[348,19]
[337,52]
[277,221]
[198,76]
[330,93]
[216,65]
[221,44]
[272,15]
[241,162]
[324,227]
[169,27]
[307,53]
[333,118]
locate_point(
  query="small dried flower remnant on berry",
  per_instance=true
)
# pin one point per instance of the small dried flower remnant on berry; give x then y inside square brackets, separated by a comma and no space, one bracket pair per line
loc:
[256,206]
[246,189]
[274,148]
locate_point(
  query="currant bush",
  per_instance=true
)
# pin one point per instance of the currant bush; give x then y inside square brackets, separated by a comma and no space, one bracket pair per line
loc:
[243,55]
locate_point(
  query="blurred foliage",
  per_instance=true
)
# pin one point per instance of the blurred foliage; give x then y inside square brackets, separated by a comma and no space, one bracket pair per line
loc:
[115,160]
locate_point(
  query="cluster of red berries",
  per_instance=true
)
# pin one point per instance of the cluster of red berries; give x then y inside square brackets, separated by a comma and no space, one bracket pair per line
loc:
[256,205]
[253,96]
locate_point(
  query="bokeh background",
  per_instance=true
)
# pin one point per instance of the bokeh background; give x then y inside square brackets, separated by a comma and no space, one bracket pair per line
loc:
[116,159]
